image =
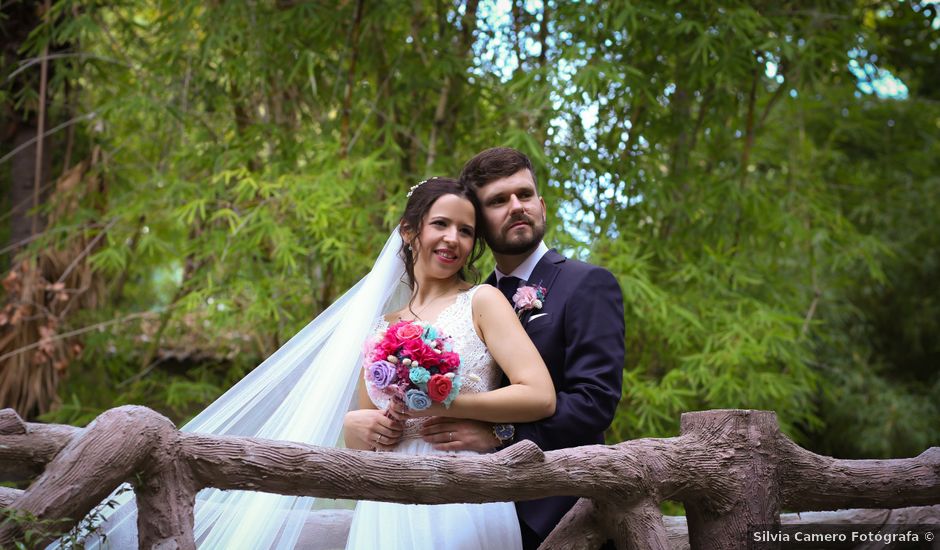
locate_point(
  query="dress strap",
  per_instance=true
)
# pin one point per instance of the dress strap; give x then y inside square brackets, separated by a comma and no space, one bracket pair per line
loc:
[472,290]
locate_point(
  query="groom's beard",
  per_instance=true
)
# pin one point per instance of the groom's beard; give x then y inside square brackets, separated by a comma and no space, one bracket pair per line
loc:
[501,243]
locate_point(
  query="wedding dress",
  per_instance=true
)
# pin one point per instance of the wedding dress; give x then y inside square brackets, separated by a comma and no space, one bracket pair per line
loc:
[388,525]
[300,394]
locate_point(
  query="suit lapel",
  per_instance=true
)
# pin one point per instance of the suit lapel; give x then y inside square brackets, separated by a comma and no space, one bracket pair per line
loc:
[546,270]
[543,275]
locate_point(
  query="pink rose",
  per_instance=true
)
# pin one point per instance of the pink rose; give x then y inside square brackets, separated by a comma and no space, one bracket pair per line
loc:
[409,331]
[450,361]
[428,356]
[383,349]
[391,335]
[414,349]
[392,328]
[439,387]
[526,297]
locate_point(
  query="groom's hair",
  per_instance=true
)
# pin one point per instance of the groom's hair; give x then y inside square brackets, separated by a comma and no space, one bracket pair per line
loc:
[493,164]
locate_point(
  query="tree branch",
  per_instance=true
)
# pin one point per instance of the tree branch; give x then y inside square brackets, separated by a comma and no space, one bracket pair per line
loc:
[78,331]
[730,468]
[749,126]
[807,480]
[578,530]
[43,135]
[41,125]
[440,113]
[350,77]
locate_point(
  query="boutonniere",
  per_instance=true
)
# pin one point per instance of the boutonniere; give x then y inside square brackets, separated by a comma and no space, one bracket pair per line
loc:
[527,298]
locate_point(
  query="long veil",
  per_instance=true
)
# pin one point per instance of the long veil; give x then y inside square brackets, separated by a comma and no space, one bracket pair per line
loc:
[300,393]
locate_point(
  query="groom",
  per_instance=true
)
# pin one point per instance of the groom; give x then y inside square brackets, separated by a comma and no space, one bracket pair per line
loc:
[579,329]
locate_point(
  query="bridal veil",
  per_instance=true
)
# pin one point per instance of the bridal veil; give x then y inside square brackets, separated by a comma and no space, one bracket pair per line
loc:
[300,394]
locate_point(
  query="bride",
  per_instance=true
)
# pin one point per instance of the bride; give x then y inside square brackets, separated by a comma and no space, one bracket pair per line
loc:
[303,392]
[439,230]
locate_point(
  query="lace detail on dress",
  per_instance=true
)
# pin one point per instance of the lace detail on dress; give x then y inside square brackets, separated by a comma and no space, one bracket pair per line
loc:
[477,367]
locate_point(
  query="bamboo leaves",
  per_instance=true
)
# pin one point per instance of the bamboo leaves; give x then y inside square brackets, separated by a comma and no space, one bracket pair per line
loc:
[767,220]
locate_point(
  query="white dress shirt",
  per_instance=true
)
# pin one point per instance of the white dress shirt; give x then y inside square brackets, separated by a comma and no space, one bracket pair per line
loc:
[525,269]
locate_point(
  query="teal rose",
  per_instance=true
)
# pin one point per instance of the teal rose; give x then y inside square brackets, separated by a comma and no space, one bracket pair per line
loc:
[419,375]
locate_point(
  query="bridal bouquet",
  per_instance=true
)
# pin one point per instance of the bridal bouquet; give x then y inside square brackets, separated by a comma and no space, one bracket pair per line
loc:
[413,361]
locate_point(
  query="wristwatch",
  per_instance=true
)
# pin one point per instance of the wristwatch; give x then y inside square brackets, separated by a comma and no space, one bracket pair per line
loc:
[504,432]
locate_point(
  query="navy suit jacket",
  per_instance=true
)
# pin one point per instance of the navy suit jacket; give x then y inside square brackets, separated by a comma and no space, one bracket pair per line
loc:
[580,334]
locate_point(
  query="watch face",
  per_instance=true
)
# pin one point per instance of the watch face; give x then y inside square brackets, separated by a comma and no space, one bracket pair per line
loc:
[505,431]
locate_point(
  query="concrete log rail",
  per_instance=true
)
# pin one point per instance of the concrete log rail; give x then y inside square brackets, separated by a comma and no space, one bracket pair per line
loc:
[731,468]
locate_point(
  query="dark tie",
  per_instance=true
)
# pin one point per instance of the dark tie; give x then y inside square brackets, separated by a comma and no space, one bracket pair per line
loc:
[508,285]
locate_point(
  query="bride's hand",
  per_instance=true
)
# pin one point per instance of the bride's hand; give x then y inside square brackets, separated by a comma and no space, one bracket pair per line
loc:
[367,429]
[397,410]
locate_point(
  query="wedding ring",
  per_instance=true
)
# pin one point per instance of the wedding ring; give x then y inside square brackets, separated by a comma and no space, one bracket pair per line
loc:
[451,434]
[378,438]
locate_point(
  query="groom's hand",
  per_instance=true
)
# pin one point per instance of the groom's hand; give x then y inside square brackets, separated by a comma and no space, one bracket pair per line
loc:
[455,434]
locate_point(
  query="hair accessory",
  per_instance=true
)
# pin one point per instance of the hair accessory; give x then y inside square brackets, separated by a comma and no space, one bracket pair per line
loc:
[417,185]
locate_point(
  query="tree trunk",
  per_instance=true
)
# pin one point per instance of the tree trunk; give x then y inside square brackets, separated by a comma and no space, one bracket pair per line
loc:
[720,520]
[22,174]
[21,128]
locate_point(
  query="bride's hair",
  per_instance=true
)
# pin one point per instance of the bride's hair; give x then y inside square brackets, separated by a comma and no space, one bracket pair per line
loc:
[421,198]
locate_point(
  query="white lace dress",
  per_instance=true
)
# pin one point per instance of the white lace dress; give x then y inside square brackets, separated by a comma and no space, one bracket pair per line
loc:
[388,525]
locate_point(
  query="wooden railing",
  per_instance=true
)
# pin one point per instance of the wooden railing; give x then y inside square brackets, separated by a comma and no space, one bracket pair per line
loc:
[732,469]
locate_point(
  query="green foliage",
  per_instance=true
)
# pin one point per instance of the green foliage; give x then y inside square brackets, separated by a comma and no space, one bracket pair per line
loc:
[722,161]
[771,222]
[35,531]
